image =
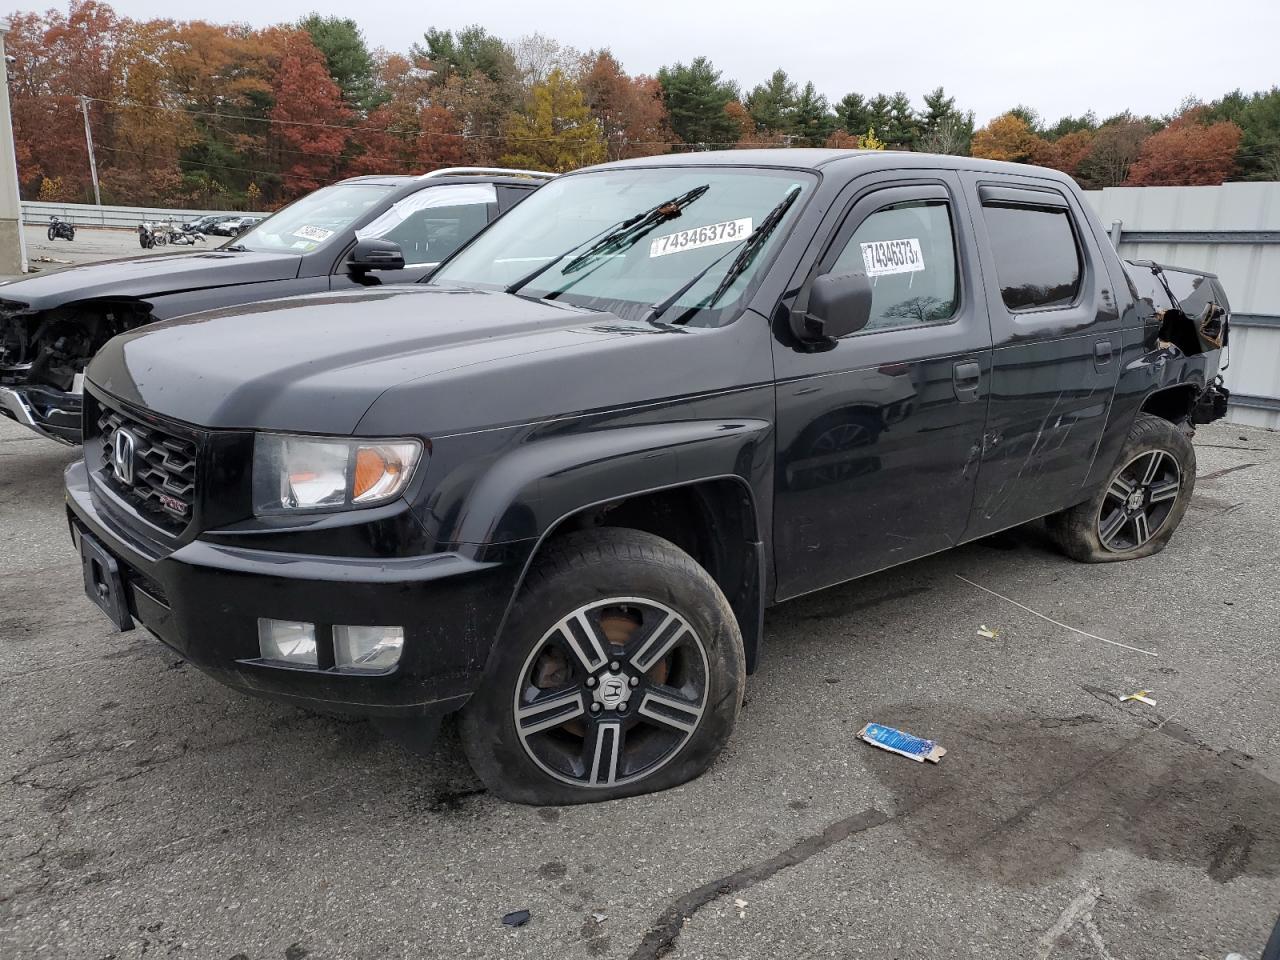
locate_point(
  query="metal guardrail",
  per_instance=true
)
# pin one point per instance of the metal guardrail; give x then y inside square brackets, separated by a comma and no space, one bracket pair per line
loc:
[37,213]
[1199,236]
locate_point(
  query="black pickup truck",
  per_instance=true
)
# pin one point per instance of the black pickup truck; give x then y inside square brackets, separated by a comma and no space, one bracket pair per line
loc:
[556,486]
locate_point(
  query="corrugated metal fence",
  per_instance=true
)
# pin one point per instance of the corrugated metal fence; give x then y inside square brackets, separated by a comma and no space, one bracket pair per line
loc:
[87,215]
[1233,231]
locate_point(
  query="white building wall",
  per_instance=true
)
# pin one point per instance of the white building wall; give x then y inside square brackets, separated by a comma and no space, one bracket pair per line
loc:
[1234,231]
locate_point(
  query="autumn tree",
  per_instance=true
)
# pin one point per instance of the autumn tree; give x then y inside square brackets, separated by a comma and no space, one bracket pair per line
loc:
[630,111]
[309,117]
[1067,152]
[1116,147]
[1007,137]
[556,130]
[696,97]
[57,57]
[1187,152]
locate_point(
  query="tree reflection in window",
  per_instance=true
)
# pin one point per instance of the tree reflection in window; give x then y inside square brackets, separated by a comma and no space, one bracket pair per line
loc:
[911,297]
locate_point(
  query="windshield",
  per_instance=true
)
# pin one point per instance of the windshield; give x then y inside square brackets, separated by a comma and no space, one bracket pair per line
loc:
[305,224]
[637,265]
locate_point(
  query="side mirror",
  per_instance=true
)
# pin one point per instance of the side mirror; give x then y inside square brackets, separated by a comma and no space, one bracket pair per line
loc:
[838,305]
[375,255]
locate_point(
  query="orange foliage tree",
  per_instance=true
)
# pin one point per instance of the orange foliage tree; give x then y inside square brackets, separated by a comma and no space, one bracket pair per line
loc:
[1187,153]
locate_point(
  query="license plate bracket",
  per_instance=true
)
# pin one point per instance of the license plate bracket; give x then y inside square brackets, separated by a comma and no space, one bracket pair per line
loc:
[104,582]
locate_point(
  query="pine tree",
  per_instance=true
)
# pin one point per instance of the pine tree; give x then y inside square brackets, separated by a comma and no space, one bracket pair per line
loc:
[771,105]
[696,98]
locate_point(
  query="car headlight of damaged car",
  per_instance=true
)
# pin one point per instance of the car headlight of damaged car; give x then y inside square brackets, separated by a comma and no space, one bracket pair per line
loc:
[293,473]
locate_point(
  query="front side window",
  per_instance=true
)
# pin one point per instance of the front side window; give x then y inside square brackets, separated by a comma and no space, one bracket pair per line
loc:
[434,222]
[683,220]
[908,252]
[1037,258]
[312,221]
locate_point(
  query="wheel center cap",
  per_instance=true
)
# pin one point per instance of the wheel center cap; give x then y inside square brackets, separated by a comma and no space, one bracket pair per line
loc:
[611,690]
[1136,500]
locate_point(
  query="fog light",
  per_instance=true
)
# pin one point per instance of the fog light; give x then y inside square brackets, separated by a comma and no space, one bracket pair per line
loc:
[367,648]
[287,641]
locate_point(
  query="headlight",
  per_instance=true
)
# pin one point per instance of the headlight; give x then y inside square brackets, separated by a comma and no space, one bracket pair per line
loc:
[314,473]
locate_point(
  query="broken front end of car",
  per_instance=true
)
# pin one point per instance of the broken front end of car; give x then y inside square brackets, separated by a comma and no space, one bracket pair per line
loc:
[43,354]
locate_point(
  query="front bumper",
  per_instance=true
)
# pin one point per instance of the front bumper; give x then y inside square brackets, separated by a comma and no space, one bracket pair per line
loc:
[203,600]
[49,412]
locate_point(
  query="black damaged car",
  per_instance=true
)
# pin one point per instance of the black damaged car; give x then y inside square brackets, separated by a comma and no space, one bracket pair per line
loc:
[358,232]
[556,487]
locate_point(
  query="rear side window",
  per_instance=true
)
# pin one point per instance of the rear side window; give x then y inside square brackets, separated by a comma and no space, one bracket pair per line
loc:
[1037,258]
[908,251]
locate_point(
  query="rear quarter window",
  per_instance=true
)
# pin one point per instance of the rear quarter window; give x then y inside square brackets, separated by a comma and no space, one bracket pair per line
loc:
[1036,255]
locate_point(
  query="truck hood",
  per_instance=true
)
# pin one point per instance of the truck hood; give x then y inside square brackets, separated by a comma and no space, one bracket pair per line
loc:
[316,364]
[149,276]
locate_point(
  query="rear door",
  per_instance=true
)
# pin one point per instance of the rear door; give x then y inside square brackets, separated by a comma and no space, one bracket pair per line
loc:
[879,435]
[1057,346]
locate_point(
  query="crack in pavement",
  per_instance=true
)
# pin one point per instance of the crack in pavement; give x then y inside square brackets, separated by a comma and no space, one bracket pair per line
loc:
[661,938]
[1223,472]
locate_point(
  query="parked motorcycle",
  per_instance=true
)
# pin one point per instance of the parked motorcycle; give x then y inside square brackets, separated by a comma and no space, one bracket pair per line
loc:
[61,229]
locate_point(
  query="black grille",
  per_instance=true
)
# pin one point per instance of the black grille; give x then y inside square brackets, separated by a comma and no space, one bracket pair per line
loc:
[164,469]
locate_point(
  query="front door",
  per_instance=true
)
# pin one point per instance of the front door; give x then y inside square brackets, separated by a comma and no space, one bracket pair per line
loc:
[428,226]
[879,436]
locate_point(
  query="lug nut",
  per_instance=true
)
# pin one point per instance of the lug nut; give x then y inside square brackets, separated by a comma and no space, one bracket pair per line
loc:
[635,681]
[595,708]
[615,666]
[622,707]
[591,681]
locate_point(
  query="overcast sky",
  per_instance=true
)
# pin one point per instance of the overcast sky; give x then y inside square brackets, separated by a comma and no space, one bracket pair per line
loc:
[1059,58]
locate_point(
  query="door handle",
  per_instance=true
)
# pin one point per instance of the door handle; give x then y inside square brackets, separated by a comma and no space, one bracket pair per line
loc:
[966,376]
[1102,353]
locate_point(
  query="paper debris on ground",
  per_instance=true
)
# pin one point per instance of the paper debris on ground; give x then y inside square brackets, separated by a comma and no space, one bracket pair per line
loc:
[898,741]
[599,917]
[985,631]
[517,918]
[1142,696]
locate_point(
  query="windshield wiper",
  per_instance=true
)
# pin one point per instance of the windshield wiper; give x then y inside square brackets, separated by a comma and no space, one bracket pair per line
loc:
[237,248]
[615,234]
[750,247]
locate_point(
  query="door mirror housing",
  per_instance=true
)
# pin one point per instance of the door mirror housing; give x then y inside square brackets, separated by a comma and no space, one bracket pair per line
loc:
[370,254]
[839,304]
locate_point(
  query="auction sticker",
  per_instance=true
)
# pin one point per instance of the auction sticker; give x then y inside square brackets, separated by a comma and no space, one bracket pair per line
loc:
[318,234]
[728,231]
[883,257]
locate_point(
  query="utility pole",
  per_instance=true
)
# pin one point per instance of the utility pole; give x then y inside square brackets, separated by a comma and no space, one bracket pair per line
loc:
[88,139]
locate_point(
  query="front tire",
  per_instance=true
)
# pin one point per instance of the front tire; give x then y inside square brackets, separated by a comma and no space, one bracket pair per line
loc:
[1144,500]
[620,672]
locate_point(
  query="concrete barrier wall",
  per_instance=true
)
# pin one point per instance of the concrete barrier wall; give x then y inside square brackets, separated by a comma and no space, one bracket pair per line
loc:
[87,215]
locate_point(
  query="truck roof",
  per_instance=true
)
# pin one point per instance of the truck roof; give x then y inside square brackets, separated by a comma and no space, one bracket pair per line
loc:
[815,158]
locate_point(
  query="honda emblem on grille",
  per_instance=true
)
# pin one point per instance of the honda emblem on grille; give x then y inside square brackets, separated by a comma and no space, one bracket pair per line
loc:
[123,445]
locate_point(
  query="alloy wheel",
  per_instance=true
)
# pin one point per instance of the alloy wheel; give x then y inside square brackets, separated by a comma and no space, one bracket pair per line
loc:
[612,692]
[1139,500]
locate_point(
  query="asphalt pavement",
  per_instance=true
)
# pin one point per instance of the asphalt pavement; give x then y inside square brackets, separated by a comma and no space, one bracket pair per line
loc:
[145,810]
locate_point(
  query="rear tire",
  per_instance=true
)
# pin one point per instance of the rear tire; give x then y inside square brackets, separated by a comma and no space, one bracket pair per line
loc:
[620,671]
[1145,498]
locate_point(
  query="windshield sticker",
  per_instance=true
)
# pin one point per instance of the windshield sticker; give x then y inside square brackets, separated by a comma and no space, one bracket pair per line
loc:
[892,256]
[728,231]
[317,234]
